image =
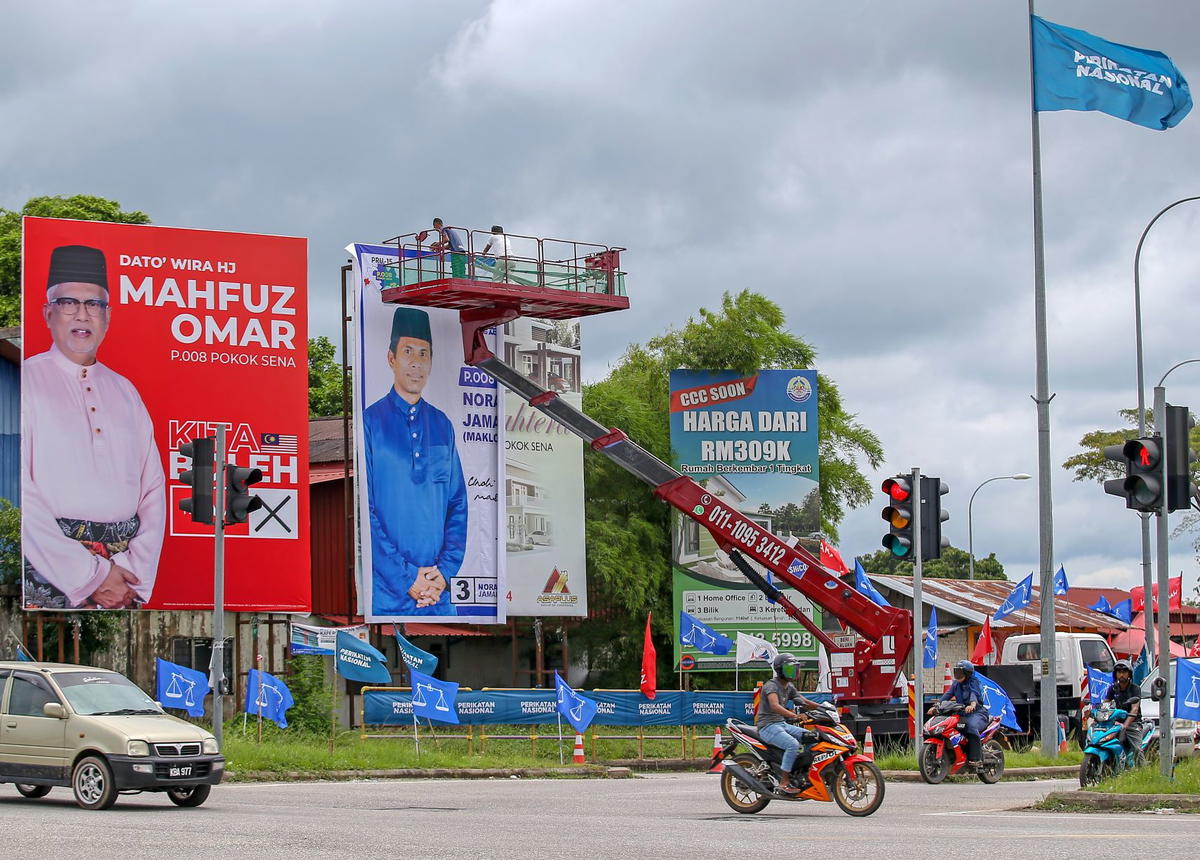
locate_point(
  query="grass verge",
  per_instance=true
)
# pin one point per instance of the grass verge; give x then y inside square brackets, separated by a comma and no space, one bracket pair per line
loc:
[906,760]
[1148,780]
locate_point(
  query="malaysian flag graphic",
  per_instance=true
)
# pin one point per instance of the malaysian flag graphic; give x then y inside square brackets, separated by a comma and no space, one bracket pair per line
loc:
[278,443]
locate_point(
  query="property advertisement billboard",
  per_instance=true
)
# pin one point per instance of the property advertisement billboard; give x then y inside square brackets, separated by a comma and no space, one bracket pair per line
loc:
[429,449]
[136,339]
[543,482]
[751,441]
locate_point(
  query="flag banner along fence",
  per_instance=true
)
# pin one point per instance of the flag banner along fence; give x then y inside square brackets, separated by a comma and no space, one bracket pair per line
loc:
[393,706]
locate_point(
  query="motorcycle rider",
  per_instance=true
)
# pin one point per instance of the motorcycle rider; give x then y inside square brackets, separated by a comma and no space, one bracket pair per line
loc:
[773,713]
[1128,696]
[968,692]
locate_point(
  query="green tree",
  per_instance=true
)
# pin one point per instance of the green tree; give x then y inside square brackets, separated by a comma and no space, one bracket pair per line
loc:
[83,207]
[324,378]
[628,531]
[954,564]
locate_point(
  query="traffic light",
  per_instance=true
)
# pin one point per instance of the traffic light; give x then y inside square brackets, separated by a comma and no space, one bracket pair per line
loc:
[898,514]
[1142,485]
[202,453]
[1179,458]
[932,517]
[238,501]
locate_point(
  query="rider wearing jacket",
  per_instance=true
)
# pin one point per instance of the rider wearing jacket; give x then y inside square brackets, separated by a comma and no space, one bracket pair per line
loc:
[968,692]
[773,713]
[1128,696]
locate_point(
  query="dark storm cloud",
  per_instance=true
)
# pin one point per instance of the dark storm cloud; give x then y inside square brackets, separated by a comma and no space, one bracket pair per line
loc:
[866,165]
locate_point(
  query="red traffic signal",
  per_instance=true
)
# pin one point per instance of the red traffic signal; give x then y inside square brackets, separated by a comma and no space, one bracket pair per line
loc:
[898,488]
[898,515]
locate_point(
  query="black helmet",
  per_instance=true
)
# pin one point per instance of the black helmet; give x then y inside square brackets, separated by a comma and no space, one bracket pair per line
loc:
[786,666]
[1122,665]
[964,669]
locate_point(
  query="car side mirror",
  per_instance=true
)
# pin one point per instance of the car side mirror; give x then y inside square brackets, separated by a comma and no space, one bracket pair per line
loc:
[54,709]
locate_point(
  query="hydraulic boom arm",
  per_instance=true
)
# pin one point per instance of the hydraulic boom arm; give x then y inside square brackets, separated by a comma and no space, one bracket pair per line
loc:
[862,669]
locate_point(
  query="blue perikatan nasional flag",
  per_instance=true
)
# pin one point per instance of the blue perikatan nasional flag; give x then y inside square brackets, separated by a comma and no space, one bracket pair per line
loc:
[359,660]
[998,703]
[1123,610]
[931,643]
[1018,599]
[702,637]
[1187,689]
[1074,70]
[268,696]
[1099,683]
[1102,605]
[577,710]
[433,699]
[414,657]
[180,687]
[1061,586]
[864,586]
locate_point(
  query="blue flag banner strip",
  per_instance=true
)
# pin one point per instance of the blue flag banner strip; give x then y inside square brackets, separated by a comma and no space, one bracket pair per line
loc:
[383,707]
[414,657]
[1074,70]
[1187,689]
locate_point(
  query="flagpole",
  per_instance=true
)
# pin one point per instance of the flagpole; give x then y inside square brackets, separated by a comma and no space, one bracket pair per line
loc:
[560,755]
[258,665]
[1042,398]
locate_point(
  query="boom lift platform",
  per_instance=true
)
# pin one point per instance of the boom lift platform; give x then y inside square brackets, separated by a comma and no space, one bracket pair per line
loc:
[561,279]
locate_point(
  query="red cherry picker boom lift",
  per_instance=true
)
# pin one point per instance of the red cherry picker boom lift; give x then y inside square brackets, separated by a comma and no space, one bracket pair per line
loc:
[557,279]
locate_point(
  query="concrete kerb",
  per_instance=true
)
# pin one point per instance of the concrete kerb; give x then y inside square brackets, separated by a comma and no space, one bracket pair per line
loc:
[1098,800]
[584,772]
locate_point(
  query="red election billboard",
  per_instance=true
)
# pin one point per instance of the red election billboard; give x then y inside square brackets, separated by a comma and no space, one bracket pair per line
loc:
[136,339]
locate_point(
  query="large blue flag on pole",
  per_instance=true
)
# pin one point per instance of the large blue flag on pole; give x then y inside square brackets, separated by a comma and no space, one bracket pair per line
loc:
[1187,689]
[577,710]
[702,637]
[931,640]
[998,703]
[1018,598]
[1074,70]
[1099,683]
[864,586]
[268,696]
[434,699]
[180,687]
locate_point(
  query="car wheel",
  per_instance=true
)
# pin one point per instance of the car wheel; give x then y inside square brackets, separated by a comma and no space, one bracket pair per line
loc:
[192,795]
[92,782]
[32,791]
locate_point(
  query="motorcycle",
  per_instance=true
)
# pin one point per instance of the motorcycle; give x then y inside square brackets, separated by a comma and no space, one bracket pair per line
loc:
[944,748]
[836,770]
[1104,754]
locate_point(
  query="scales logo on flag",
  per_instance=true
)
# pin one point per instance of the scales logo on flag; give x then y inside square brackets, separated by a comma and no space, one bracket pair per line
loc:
[278,443]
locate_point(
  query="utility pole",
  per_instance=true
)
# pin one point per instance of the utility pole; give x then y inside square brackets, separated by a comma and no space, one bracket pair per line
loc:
[217,669]
[918,627]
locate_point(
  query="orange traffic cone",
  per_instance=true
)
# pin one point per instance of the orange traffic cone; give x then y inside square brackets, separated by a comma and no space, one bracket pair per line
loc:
[869,745]
[578,755]
[719,766]
[947,679]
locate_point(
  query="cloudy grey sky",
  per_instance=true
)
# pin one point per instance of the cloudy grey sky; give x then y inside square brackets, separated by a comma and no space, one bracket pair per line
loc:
[865,164]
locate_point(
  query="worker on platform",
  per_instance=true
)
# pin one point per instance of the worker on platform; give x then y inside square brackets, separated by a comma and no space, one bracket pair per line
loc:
[499,246]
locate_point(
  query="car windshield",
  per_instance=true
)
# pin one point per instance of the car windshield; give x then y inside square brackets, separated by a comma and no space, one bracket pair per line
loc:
[102,693]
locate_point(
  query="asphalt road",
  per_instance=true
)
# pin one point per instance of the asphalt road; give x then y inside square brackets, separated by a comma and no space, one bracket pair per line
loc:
[660,816]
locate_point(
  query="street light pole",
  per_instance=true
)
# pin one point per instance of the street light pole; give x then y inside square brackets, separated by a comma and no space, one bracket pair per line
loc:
[1020,476]
[1148,615]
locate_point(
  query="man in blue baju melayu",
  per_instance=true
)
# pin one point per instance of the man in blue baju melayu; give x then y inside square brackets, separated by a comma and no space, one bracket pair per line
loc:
[415,489]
